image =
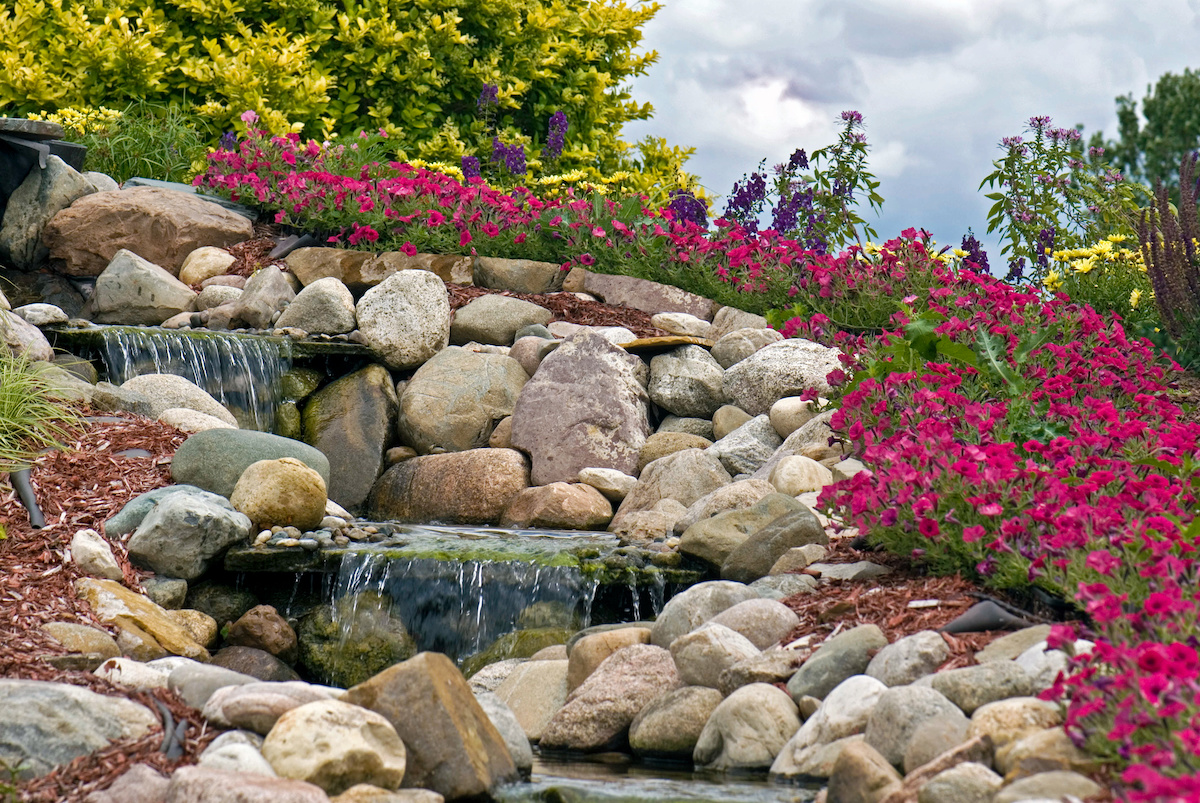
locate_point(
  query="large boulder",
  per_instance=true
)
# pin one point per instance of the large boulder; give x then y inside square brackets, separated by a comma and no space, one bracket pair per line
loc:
[704,653]
[22,338]
[585,407]
[361,270]
[844,712]
[786,368]
[324,307]
[714,540]
[747,730]
[351,421]
[133,290]
[454,401]
[640,294]
[283,493]
[43,194]
[683,476]
[495,319]
[453,748]
[215,459]
[598,714]
[160,225]
[46,724]
[518,275]
[755,556]
[671,725]
[167,391]
[184,532]
[139,622]
[265,295]
[843,656]
[558,506]
[472,487]
[689,609]
[405,319]
[687,381]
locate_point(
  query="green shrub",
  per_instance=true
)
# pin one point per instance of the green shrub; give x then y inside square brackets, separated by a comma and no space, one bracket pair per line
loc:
[30,419]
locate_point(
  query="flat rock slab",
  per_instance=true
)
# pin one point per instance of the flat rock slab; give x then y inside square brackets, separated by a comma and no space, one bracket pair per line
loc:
[30,129]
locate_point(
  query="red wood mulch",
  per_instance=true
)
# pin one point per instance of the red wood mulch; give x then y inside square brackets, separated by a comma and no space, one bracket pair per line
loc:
[566,307]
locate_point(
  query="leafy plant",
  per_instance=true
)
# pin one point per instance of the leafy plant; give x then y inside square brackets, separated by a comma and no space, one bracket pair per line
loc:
[1048,197]
[1151,144]
[1108,277]
[30,418]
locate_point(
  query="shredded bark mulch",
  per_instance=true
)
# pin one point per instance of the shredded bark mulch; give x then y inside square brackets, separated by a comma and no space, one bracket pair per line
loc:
[566,307]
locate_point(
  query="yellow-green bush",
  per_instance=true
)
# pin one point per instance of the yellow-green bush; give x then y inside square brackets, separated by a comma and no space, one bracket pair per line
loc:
[411,67]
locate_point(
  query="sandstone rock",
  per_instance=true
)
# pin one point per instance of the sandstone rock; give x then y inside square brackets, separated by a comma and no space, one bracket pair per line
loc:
[640,294]
[472,487]
[185,531]
[598,714]
[323,307]
[585,407]
[535,690]
[405,319]
[93,555]
[23,338]
[133,290]
[365,793]
[266,293]
[311,265]
[662,444]
[909,658]
[494,318]
[615,485]
[263,628]
[214,460]
[453,748]
[283,492]
[747,730]
[797,474]
[87,647]
[46,724]
[1008,720]
[900,711]
[165,391]
[670,726]
[837,659]
[687,381]
[335,745]
[351,421]
[517,275]
[681,323]
[160,225]
[501,437]
[210,785]
[691,608]
[558,506]
[763,621]
[205,263]
[861,775]
[44,193]
[453,401]
[454,268]
[714,540]
[202,627]
[754,557]
[191,421]
[733,347]
[704,653]
[1042,751]
[115,605]
[257,706]
[728,418]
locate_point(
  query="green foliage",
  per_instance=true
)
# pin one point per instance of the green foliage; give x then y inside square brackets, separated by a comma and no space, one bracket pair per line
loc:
[1151,152]
[411,67]
[840,179]
[1108,277]
[1047,197]
[30,419]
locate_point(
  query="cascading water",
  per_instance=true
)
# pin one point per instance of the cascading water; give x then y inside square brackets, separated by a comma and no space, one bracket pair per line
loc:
[240,371]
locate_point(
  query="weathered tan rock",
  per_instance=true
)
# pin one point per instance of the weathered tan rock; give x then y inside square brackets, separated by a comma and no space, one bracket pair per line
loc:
[1008,720]
[282,492]
[208,785]
[159,225]
[455,268]
[518,275]
[640,294]
[366,793]
[82,641]
[683,476]
[202,627]
[591,651]
[535,690]
[132,290]
[1042,751]
[472,487]
[263,628]
[661,444]
[670,726]
[344,264]
[205,263]
[23,338]
[748,729]
[861,775]
[452,746]
[114,604]
[258,706]
[559,506]
[336,745]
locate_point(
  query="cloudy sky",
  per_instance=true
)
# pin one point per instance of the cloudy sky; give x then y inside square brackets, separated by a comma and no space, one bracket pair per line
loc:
[939,82]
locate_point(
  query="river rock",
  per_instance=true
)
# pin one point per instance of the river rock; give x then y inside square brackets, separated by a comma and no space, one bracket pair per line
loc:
[704,653]
[670,726]
[773,666]
[257,706]
[351,421]
[43,194]
[192,421]
[841,657]
[347,641]
[453,748]
[909,658]
[211,785]
[683,476]
[754,557]
[282,492]
[335,745]
[133,290]
[535,690]
[728,418]
[94,556]
[1042,665]
[797,474]
[1006,721]
[165,391]
[733,347]
[687,381]
[529,351]
[845,711]
[263,628]
[115,605]
[691,608]
[48,724]
[506,723]
[586,654]
[786,368]
[615,485]
[517,275]
[735,496]
[235,751]
[598,714]
[558,506]
[714,540]
[41,314]
[861,775]
[763,621]
[747,730]
[748,447]
[662,444]
[681,323]
[214,296]
[494,318]
[640,294]
[266,293]
[811,440]
[700,427]
[730,319]
[81,640]
[900,711]
[937,737]
[205,263]
[472,487]
[23,338]
[185,531]
[323,307]
[790,413]
[405,319]
[586,407]
[965,783]
[453,401]
[1043,751]
[162,226]
[974,686]
[1049,786]
[214,460]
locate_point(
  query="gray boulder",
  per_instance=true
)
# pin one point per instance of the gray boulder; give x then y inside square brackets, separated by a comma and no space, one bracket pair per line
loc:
[323,307]
[844,712]
[735,346]
[494,318]
[900,711]
[787,368]
[23,338]
[731,319]
[505,721]
[265,295]
[185,531]
[755,556]
[405,319]
[704,653]
[843,656]
[972,687]
[670,726]
[714,540]
[133,290]
[763,621]
[43,194]
[909,658]
[691,608]
[683,476]
[214,459]
[747,730]
[167,391]
[748,447]
[687,381]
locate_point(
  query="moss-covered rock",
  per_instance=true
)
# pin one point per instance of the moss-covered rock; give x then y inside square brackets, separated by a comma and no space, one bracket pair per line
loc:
[352,639]
[517,644]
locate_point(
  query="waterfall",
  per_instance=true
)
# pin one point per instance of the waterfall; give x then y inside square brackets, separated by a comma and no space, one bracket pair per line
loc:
[240,371]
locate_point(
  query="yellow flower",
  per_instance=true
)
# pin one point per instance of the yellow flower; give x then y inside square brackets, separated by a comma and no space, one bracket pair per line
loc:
[1053,281]
[958,252]
[1117,238]
[1083,265]
[870,248]
[1134,298]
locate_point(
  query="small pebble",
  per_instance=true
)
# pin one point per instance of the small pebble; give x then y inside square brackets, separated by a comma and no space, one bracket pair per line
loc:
[333,523]
[262,538]
[310,544]
[288,542]
[341,540]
